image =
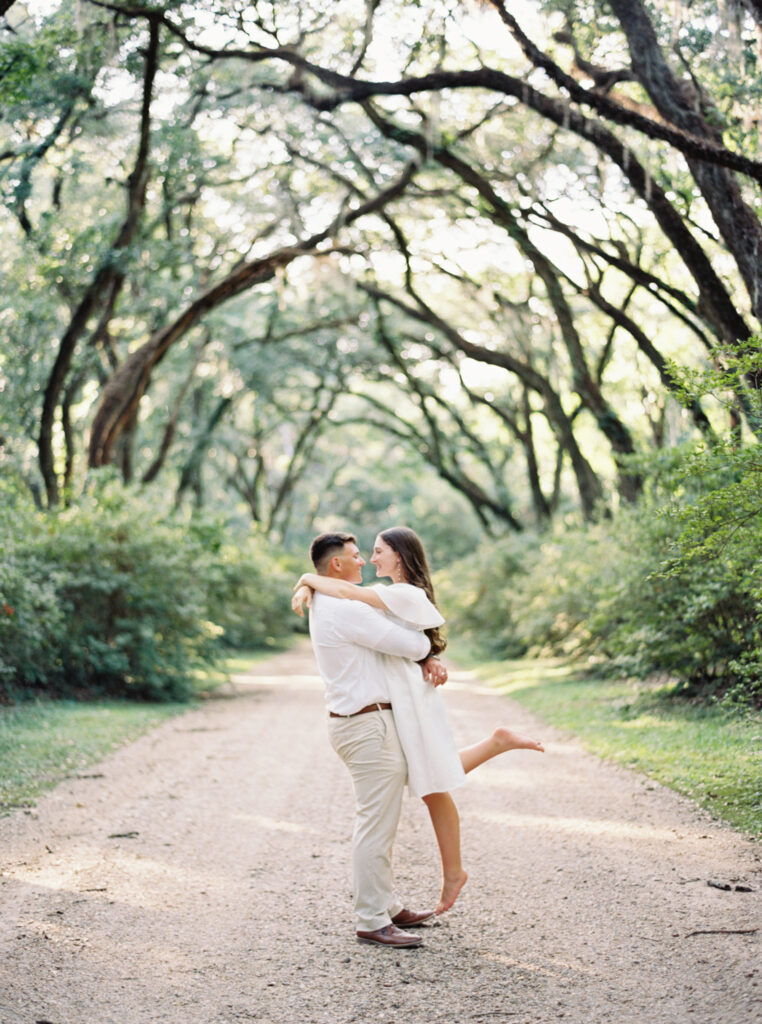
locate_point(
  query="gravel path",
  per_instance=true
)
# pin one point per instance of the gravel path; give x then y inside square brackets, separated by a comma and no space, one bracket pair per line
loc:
[201,876]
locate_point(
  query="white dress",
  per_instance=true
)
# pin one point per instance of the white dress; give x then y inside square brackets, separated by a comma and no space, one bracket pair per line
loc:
[433,761]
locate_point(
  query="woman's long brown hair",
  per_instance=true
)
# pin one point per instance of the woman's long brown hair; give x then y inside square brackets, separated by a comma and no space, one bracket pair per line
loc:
[407,544]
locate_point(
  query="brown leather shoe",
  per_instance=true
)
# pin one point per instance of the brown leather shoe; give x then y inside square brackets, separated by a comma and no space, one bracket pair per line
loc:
[390,936]
[409,918]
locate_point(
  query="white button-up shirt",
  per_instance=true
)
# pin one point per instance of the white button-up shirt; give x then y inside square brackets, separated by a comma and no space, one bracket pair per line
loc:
[349,639]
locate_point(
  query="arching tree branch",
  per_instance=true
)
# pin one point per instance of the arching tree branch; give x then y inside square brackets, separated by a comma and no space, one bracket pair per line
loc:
[122,395]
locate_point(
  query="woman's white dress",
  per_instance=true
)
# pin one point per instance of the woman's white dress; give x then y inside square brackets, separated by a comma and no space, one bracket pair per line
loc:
[424,730]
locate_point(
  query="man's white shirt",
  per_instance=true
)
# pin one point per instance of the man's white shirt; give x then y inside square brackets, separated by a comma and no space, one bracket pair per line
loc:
[350,639]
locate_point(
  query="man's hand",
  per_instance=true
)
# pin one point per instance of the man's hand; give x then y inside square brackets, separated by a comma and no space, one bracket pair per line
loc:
[434,671]
[302,598]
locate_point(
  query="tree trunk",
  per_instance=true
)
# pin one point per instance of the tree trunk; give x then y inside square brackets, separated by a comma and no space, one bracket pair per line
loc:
[170,427]
[678,102]
[108,278]
[191,472]
[539,501]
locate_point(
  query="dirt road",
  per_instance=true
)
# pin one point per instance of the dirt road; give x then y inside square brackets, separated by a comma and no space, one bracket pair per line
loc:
[201,876]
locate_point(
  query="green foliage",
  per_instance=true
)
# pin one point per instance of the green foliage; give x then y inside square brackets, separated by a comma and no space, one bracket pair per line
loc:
[111,596]
[716,562]
[250,591]
[31,618]
[671,588]
[34,74]
[478,595]
[111,602]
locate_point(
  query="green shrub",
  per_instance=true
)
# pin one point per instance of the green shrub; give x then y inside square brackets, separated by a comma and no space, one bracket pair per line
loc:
[31,618]
[716,565]
[250,592]
[664,610]
[477,595]
[671,587]
[109,599]
[114,597]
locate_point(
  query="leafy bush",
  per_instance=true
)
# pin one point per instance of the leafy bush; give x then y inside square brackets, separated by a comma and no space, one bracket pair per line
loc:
[671,587]
[31,619]
[479,595]
[715,566]
[250,592]
[112,597]
[112,601]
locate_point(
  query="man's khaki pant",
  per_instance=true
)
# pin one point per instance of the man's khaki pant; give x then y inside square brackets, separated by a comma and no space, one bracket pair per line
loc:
[370,748]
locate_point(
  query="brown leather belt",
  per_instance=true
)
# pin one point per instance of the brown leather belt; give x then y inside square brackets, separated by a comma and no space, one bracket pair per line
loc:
[363,711]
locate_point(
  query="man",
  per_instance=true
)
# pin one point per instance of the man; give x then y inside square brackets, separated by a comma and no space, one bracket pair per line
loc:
[350,639]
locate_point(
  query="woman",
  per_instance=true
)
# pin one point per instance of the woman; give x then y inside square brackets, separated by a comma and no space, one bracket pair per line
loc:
[435,766]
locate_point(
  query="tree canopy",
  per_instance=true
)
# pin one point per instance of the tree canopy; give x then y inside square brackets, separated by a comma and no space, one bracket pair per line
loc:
[250,247]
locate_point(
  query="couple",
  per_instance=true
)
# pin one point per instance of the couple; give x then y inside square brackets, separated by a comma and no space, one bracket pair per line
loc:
[376,650]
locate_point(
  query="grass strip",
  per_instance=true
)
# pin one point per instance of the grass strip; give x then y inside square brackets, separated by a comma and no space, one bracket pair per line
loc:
[45,741]
[709,753]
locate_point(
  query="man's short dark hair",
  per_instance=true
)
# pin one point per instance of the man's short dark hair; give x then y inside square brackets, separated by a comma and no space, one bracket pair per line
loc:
[324,547]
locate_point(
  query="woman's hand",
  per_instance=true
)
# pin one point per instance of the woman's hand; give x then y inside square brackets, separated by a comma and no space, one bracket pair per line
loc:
[434,671]
[302,598]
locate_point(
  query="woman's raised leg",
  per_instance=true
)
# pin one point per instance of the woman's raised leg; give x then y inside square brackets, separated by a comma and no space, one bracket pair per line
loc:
[446,822]
[499,742]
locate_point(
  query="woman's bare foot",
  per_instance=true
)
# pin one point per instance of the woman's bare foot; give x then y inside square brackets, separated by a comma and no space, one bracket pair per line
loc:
[506,739]
[450,889]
